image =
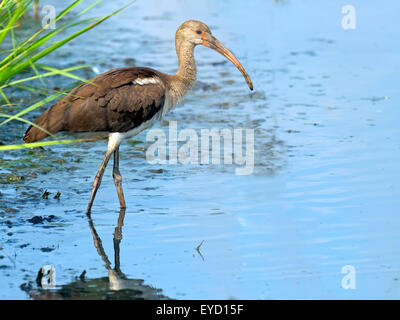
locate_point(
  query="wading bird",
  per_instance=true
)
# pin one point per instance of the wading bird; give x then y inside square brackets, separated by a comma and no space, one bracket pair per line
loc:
[125,101]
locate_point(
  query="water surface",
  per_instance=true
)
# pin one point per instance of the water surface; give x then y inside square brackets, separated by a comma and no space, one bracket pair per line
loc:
[325,188]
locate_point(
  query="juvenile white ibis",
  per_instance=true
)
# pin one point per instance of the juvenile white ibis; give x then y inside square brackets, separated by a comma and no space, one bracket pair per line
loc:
[126,101]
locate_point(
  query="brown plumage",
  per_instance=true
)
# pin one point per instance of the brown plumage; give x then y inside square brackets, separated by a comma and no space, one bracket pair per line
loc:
[125,101]
[114,103]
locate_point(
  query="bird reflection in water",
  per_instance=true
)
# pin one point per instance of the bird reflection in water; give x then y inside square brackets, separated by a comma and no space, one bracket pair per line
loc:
[116,286]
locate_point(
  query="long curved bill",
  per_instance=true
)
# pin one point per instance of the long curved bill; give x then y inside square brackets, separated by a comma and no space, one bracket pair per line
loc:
[213,43]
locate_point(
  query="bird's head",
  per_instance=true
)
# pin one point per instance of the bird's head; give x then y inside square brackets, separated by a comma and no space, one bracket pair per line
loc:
[196,32]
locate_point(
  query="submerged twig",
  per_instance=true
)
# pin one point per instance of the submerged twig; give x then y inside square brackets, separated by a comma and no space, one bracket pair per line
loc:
[5,253]
[198,249]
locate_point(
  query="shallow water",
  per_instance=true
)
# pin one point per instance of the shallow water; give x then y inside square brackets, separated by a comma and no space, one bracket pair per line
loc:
[325,188]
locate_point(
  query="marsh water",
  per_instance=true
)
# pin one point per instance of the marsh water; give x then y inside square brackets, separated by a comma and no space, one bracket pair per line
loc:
[324,193]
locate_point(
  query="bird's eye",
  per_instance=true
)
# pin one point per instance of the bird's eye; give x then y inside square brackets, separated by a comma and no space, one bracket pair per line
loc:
[199,32]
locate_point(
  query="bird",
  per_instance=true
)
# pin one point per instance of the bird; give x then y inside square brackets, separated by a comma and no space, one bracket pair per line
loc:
[123,102]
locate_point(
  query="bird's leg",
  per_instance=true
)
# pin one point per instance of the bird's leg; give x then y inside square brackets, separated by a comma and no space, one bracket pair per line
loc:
[98,243]
[98,177]
[36,10]
[118,179]
[117,241]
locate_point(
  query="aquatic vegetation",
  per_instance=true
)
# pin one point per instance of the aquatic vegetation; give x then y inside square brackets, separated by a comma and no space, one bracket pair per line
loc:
[20,56]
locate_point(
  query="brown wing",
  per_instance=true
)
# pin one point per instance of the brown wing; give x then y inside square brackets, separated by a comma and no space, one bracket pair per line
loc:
[119,101]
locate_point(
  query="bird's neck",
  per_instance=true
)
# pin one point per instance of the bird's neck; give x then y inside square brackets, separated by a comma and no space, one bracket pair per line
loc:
[186,63]
[183,80]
